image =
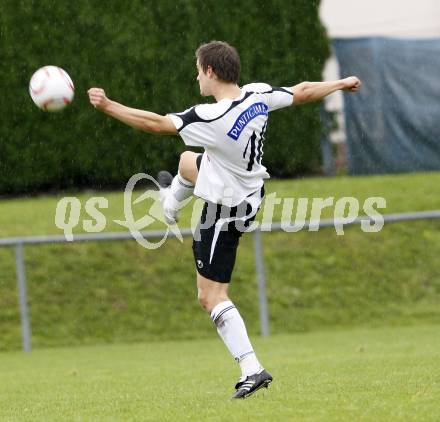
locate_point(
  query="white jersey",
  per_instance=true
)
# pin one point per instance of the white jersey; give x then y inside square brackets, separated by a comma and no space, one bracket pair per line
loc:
[232,134]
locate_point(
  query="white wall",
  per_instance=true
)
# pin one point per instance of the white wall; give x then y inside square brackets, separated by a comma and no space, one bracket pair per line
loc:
[394,18]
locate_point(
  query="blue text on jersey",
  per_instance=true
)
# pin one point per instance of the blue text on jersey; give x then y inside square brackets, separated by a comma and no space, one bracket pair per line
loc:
[256,109]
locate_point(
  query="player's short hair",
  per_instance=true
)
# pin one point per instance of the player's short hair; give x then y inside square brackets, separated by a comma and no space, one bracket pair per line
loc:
[223,59]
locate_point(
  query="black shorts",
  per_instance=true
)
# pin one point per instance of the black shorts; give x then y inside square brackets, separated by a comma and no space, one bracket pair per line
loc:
[218,233]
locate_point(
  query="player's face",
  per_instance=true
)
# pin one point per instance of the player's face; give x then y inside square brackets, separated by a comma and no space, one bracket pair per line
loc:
[204,81]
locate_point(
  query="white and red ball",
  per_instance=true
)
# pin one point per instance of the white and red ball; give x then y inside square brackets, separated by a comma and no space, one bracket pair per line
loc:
[51,88]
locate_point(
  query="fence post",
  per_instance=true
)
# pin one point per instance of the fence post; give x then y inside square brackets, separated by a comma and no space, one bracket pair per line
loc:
[22,297]
[261,282]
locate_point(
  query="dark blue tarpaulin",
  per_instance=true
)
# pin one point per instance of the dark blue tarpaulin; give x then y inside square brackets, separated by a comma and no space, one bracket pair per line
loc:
[393,123]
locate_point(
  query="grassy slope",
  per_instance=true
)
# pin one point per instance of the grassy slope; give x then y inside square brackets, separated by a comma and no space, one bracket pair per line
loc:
[343,375]
[118,291]
[404,193]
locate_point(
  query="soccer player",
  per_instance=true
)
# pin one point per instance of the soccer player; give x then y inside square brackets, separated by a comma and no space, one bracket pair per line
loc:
[228,176]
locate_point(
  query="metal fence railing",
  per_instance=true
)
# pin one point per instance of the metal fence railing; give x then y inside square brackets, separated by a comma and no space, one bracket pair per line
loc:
[20,242]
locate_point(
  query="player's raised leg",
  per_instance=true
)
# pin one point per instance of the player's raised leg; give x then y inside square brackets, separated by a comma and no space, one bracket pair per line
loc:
[175,191]
[213,296]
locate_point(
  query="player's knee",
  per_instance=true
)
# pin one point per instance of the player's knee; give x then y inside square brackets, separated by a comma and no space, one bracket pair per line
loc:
[187,166]
[204,299]
[185,160]
[208,299]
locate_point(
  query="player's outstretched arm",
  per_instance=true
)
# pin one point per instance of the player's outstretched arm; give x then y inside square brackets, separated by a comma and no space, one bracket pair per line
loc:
[307,92]
[138,119]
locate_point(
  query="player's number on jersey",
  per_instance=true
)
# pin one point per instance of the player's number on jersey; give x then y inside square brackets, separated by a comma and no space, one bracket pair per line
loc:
[255,147]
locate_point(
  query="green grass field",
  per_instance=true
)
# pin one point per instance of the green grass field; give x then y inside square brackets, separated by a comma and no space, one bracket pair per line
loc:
[365,306]
[89,293]
[385,374]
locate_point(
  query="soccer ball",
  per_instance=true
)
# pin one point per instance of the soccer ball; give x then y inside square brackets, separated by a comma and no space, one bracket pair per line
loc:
[51,88]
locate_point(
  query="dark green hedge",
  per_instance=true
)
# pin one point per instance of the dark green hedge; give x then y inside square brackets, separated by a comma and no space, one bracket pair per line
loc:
[142,53]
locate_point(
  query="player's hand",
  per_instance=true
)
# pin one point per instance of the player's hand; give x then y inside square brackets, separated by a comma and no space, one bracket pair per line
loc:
[352,83]
[98,98]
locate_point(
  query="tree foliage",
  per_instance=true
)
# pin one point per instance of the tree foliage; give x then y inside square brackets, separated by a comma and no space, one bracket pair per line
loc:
[142,54]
